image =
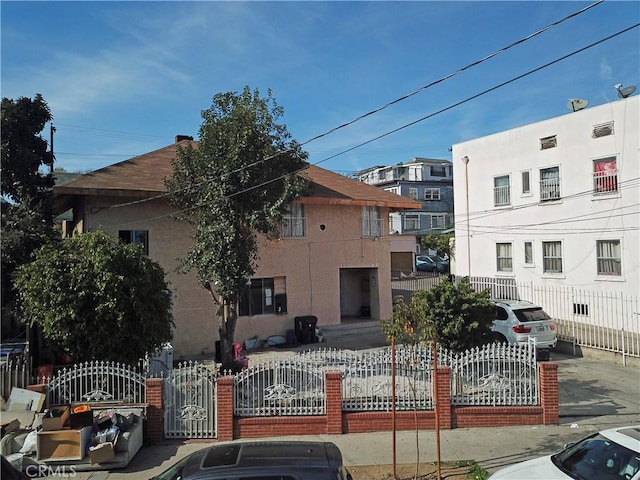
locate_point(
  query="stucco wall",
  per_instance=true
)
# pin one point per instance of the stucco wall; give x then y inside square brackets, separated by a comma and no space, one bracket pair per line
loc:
[311,267]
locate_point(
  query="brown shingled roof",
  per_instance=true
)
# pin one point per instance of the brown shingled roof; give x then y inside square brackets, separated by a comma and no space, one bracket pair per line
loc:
[143,176]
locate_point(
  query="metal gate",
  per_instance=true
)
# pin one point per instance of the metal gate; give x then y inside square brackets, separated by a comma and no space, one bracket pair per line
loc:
[190,402]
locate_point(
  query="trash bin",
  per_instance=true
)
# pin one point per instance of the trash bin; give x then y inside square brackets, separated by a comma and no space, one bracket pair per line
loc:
[305,328]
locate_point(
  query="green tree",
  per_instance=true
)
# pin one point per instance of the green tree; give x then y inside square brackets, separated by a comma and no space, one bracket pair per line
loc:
[97,298]
[27,215]
[237,184]
[439,242]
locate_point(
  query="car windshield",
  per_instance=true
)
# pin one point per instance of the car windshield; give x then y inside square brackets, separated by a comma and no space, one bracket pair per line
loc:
[174,472]
[598,457]
[531,314]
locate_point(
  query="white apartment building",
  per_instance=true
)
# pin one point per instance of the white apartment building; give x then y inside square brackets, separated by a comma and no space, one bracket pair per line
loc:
[555,202]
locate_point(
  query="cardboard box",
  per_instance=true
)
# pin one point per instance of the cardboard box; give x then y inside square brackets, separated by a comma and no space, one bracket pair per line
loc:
[103,452]
[63,444]
[81,419]
[58,420]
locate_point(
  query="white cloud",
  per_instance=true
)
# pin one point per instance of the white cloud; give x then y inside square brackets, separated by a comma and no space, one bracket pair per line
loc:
[606,72]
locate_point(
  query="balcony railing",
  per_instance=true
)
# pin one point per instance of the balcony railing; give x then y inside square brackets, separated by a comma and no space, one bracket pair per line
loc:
[549,189]
[502,196]
[604,184]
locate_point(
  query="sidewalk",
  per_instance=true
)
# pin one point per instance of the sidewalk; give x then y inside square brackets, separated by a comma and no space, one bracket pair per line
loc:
[594,395]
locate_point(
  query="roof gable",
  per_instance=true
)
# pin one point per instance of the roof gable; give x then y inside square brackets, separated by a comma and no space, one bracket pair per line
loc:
[144,175]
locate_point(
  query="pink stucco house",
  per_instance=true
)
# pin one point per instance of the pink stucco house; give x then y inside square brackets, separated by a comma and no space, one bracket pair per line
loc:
[332,259]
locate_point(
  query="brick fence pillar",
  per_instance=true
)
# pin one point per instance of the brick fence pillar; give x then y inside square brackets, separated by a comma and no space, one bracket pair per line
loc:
[333,388]
[39,388]
[549,393]
[444,397]
[225,408]
[155,411]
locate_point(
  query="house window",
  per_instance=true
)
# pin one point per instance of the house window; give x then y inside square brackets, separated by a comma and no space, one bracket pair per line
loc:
[137,237]
[602,130]
[395,190]
[413,193]
[432,194]
[501,191]
[526,182]
[549,184]
[371,222]
[605,176]
[438,171]
[294,223]
[504,257]
[609,260]
[548,142]
[258,298]
[438,221]
[552,257]
[528,253]
[411,221]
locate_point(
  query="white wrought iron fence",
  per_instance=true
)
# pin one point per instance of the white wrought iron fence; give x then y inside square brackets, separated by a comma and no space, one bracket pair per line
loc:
[13,375]
[97,382]
[496,374]
[280,387]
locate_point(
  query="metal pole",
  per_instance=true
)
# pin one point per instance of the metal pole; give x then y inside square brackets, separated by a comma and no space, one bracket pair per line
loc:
[436,410]
[465,160]
[393,403]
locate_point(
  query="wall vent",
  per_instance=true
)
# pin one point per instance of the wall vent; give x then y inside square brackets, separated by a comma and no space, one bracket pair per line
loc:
[602,130]
[548,142]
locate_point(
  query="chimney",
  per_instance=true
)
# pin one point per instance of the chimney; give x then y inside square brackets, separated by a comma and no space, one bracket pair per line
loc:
[180,138]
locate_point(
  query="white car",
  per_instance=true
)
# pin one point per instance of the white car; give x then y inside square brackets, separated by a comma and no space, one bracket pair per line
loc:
[612,454]
[518,321]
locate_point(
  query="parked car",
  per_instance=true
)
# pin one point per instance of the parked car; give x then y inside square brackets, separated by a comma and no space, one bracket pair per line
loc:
[9,472]
[432,263]
[612,454]
[518,322]
[261,460]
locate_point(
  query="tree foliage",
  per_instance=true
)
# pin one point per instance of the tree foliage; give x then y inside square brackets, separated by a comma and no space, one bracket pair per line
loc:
[455,315]
[24,151]
[27,216]
[236,184]
[97,298]
[439,242]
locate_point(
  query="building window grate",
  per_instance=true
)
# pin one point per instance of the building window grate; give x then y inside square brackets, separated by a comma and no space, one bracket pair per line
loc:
[548,142]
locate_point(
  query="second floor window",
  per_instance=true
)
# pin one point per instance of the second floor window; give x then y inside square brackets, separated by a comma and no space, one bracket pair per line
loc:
[137,237]
[413,193]
[411,221]
[438,171]
[438,222]
[526,182]
[605,176]
[432,194]
[504,257]
[371,222]
[293,223]
[501,191]
[549,184]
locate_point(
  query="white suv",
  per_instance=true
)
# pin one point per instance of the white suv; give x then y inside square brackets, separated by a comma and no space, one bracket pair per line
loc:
[518,321]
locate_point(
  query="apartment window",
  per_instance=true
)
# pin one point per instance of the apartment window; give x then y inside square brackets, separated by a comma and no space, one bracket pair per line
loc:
[602,130]
[552,257]
[371,222]
[432,194]
[137,237]
[294,223]
[438,171]
[413,193]
[549,184]
[395,190]
[526,182]
[548,142]
[504,257]
[501,190]
[412,221]
[609,260]
[258,298]
[605,176]
[438,221]
[528,253]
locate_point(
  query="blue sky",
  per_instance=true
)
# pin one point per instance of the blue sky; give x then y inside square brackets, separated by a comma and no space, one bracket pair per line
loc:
[123,78]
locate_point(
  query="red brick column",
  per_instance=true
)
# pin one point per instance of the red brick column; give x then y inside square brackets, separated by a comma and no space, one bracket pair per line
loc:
[444,397]
[39,388]
[155,411]
[549,392]
[225,408]
[333,388]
